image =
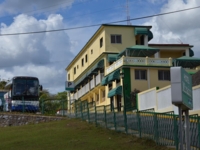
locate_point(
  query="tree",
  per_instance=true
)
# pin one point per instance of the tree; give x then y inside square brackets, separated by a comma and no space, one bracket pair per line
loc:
[133,97]
[2,84]
[62,95]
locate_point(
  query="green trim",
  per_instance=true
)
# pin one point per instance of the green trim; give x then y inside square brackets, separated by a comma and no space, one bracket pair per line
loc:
[104,81]
[114,76]
[186,62]
[142,31]
[150,35]
[112,57]
[115,91]
[138,51]
[127,88]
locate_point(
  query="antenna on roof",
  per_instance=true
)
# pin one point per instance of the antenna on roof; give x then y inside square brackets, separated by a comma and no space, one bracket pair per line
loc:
[127,12]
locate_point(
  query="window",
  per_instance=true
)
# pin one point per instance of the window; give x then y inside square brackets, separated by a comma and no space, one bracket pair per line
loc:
[77,67]
[74,70]
[101,42]
[103,94]
[142,40]
[140,74]
[82,62]
[110,86]
[91,51]
[68,77]
[85,58]
[164,75]
[116,39]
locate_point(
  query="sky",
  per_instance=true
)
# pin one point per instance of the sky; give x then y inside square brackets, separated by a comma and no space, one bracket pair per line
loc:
[46,55]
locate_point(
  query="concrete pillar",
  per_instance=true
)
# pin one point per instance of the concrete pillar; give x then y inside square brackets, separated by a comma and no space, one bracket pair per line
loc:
[187,52]
[146,40]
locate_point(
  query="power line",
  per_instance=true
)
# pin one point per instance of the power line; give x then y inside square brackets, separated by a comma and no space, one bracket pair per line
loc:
[80,27]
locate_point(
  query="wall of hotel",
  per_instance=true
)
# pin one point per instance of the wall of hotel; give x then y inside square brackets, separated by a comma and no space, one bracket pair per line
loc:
[171,53]
[151,82]
[138,84]
[94,46]
[127,34]
[154,81]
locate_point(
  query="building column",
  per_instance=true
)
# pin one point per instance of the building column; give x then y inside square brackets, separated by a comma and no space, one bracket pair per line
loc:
[100,96]
[146,40]
[157,55]
[187,52]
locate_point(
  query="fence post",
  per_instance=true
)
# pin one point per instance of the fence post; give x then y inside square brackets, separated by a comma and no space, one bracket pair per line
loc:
[156,128]
[139,123]
[175,132]
[23,104]
[115,124]
[42,106]
[95,109]
[88,113]
[62,107]
[76,109]
[105,116]
[125,120]
[81,110]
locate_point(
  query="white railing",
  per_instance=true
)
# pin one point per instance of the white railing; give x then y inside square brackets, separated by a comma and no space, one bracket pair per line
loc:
[87,88]
[139,61]
[92,83]
[98,79]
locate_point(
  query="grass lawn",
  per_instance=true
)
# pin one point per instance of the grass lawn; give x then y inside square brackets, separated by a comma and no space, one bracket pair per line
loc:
[70,134]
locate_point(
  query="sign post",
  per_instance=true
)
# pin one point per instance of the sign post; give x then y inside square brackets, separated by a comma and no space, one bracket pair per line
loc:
[69,86]
[181,90]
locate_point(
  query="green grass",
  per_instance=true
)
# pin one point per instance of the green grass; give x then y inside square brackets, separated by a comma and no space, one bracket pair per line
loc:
[70,134]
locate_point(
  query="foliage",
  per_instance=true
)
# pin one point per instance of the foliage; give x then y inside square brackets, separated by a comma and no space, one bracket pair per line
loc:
[49,103]
[133,96]
[2,84]
[62,95]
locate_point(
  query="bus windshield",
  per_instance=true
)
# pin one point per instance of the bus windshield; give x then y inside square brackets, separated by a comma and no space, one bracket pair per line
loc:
[25,87]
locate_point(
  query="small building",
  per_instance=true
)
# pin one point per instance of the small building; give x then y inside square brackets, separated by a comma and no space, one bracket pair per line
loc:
[117,60]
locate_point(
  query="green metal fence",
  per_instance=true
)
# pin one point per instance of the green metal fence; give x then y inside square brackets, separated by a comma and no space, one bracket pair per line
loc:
[163,128]
[160,127]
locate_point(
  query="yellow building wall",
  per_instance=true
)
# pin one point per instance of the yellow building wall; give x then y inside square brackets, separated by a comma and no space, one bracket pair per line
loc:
[138,84]
[154,82]
[151,82]
[170,53]
[127,35]
[94,45]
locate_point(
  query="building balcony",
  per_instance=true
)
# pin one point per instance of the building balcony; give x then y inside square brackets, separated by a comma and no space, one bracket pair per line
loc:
[139,61]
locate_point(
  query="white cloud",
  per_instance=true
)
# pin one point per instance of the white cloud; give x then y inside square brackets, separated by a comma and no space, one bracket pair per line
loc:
[44,55]
[178,27]
[32,7]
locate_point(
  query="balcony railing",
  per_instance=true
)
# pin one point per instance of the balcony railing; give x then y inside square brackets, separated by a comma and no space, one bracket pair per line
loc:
[92,83]
[139,61]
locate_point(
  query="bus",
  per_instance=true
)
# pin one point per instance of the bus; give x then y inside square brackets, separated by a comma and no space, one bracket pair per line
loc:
[23,94]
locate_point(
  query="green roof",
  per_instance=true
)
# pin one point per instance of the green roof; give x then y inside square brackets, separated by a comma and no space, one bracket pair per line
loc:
[187,62]
[104,80]
[115,91]
[138,51]
[143,31]
[114,76]
[112,57]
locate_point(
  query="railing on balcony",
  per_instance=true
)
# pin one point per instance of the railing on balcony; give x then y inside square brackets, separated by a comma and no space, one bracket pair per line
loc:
[99,78]
[92,83]
[87,88]
[139,61]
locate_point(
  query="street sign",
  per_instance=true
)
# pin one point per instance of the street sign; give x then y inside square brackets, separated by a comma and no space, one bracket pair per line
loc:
[181,88]
[69,85]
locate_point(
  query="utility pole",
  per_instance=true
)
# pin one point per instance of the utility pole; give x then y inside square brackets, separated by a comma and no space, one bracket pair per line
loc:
[127,12]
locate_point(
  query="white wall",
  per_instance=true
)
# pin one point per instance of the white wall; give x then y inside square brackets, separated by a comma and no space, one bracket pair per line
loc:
[161,99]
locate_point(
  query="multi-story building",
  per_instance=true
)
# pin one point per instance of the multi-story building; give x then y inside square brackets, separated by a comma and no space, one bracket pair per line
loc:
[124,50]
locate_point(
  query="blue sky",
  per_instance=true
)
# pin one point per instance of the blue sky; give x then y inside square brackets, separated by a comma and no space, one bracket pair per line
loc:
[46,55]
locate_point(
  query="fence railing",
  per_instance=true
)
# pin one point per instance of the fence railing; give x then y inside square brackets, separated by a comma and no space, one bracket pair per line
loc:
[163,128]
